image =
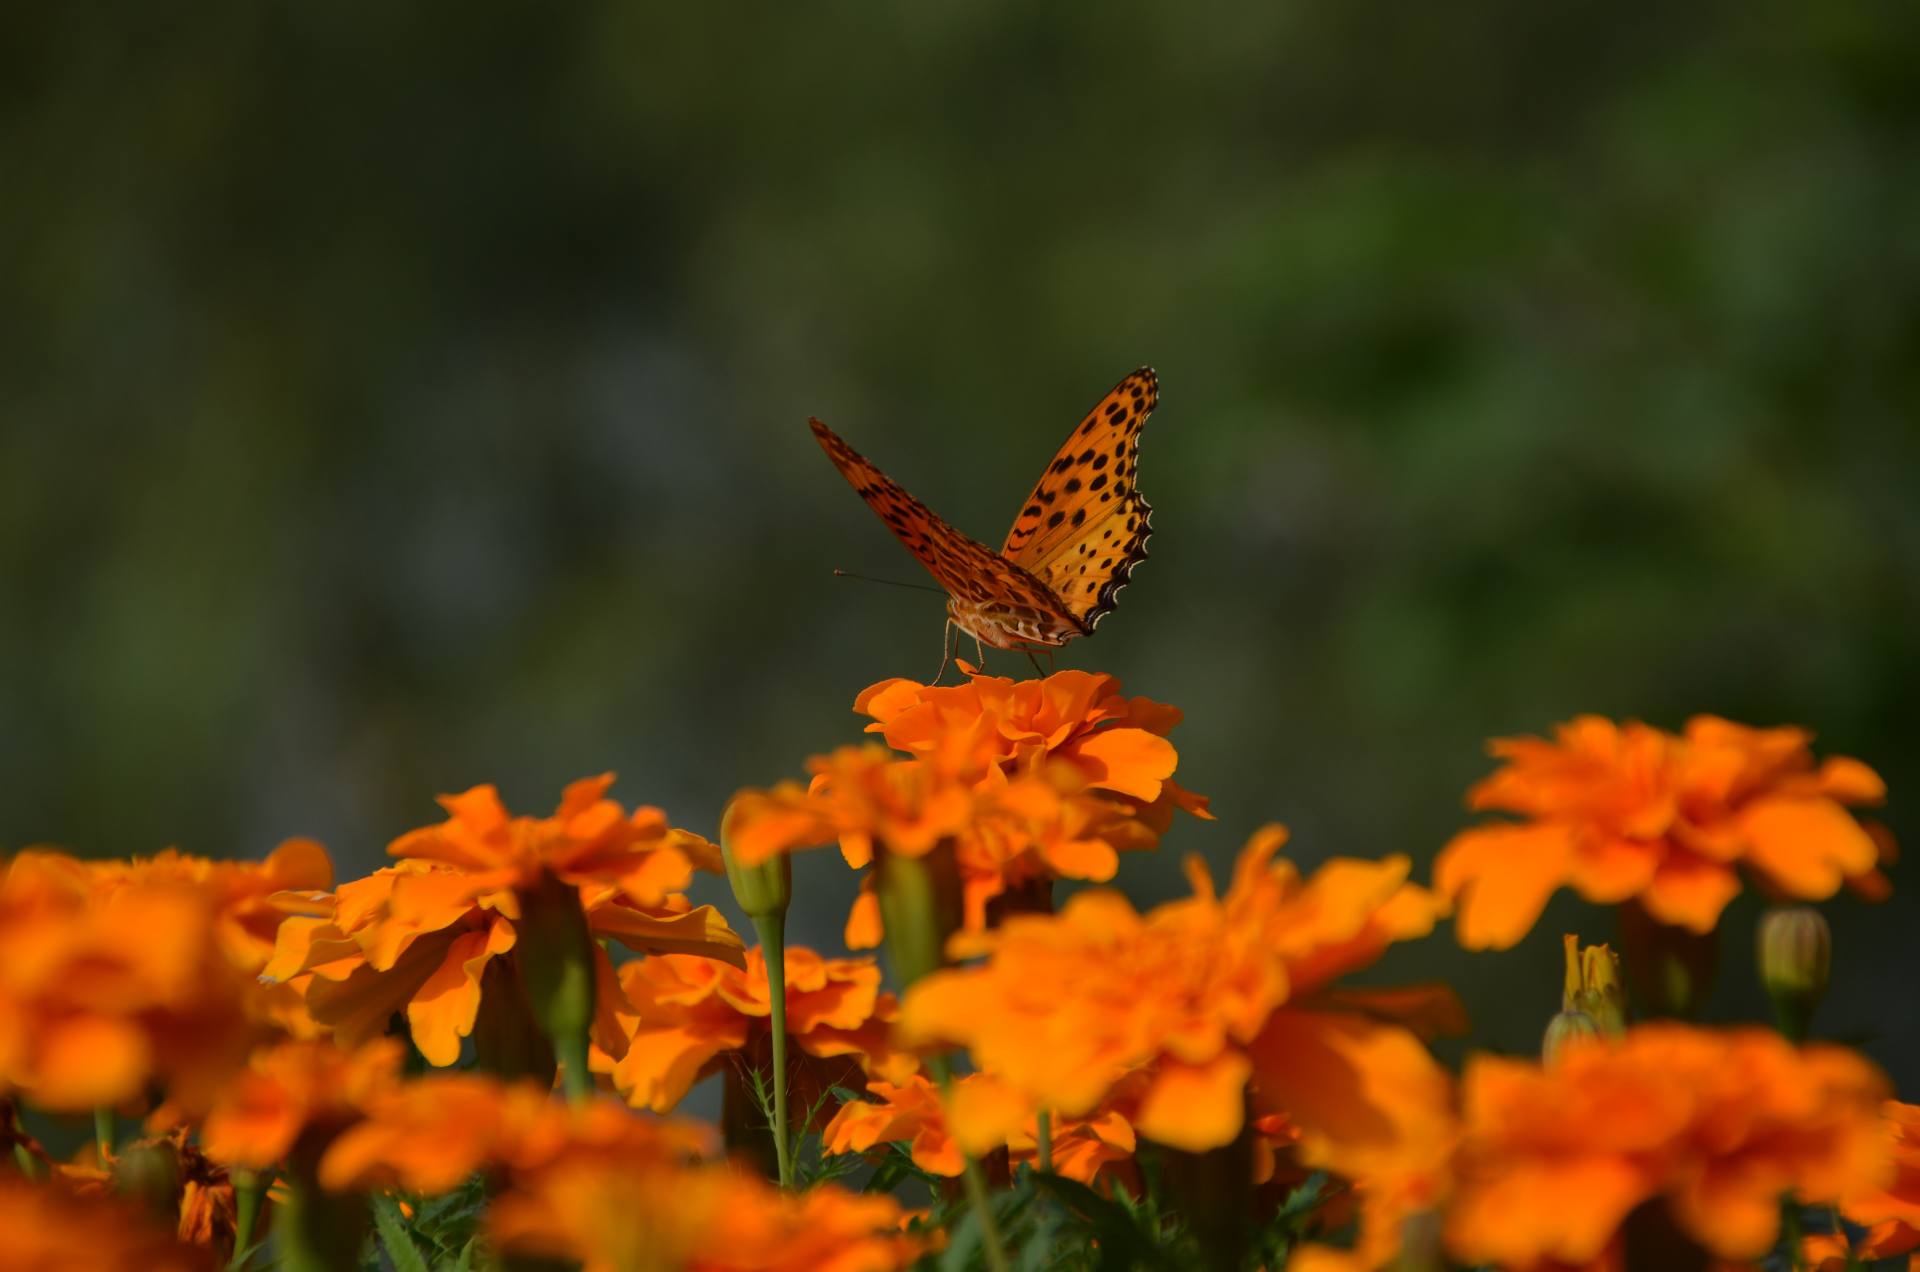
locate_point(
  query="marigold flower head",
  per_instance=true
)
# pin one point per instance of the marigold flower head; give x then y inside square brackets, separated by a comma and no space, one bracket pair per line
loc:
[993,1115]
[105,991]
[1720,1124]
[1007,831]
[614,1215]
[430,1134]
[1889,1212]
[299,1093]
[683,1017]
[420,936]
[1627,811]
[1079,718]
[50,1226]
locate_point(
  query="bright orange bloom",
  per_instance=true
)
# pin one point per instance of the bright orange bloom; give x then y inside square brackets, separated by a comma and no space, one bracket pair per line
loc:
[1622,812]
[1116,744]
[105,991]
[686,1016]
[913,1112]
[1891,1214]
[421,936]
[612,1216]
[298,1094]
[1208,995]
[1719,1123]
[1007,832]
[50,1227]
[429,1135]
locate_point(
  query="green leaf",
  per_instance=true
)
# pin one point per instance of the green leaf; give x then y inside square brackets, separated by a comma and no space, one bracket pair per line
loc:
[394,1237]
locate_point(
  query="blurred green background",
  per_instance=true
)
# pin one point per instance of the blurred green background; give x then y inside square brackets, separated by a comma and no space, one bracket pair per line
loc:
[402,397]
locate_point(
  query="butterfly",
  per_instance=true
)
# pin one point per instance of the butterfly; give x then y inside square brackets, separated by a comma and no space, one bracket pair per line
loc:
[1072,547]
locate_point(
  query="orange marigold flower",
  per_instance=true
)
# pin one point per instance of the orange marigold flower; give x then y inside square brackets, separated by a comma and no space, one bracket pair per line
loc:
[1889,1213]
[1719,1123]
[105,992]
[1628,811]
[49,1226]
[296,1097]
[1208,995]
[429,1135]
[684,1017]
[913,1112]
[1007,832]
[611,1216]
[1116,743]
[421,936]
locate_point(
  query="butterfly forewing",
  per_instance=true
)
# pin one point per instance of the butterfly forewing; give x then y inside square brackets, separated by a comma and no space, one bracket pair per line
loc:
[1085,526]
[967,569]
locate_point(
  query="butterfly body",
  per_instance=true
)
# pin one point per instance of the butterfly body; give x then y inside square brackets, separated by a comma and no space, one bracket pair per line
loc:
[1073,546]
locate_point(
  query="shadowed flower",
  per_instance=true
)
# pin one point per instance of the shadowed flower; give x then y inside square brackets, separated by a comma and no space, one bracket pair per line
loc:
[1212,997]
[913,1113]
[616,1215]
[1890,1214]
[423,935]
[685,1017]
[1007,832]
[169,1175]
[107,991]
[1720,1124]
[431,1134]
[1624,812]
[295,1098]
[51,1227]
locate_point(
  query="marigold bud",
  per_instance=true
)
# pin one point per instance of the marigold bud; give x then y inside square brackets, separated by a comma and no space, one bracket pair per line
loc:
[1796,956]
[149,1172]
[1566,1029]
[762,890]
[1593,987]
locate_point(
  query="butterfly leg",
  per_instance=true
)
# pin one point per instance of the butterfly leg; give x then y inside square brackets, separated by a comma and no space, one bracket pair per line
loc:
[946,653]
[1038,670]
[980,651]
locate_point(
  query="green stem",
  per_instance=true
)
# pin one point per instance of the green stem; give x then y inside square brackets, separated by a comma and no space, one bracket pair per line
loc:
[976,1181]
[575,1078]
[1043,1136]
[248,1187]
[103,1132]
[772,929]
[1790,1224]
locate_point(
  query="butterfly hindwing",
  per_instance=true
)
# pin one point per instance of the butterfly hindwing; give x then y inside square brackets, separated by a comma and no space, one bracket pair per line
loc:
[1085,526]
[966,568]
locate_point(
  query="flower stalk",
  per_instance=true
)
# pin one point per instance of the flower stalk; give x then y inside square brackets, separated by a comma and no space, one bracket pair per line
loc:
[557,962]
[103,1131]
[248,1188]
[765,891]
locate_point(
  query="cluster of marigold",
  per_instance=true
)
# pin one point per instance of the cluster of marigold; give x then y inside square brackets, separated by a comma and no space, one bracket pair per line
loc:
[258,1020]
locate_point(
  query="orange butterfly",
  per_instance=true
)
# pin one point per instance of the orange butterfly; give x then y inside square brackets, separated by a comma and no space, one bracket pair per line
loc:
[1071,549]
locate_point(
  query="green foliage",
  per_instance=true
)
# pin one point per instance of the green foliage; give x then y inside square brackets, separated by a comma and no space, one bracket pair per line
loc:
[442,1235]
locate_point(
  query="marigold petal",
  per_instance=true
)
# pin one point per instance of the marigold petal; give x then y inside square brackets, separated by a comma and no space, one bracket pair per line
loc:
[1196,1107]
[1690,892]
[1129,761]
[1501,877]
[1806,846]
[701,930]
[442,1011]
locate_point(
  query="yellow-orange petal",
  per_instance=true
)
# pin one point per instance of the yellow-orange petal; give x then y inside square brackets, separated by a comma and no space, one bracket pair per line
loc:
[1806,846]
[1502,877]
[443,1010]
[1196,1107]
[1128,761]
[1690,892]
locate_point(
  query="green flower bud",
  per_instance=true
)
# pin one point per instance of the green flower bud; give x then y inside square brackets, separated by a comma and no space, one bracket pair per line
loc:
[1566,1029]
[1796,957]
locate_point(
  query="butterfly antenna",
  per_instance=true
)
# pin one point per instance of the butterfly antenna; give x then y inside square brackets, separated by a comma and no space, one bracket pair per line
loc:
[868,578]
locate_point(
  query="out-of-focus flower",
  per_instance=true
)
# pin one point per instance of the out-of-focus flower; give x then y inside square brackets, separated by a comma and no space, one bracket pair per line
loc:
[165,1174]
[1891,1213]
[1719,1123]
[105,991]
[615,1215]
[913,1112]
[420,936]
[683,1017]
[1116,744]
[52,1227]
[296,1097]
[1629,812]
[1007,832]
[1207,996]
[432,1133]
